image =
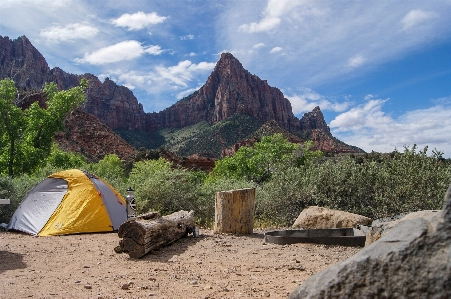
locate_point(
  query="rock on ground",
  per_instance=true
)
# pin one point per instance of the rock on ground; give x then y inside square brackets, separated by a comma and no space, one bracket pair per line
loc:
[319,217]
[381,228]
[412,261]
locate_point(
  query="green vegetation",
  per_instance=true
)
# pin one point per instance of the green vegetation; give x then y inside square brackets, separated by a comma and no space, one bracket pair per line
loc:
[287,178]
[26,135]
[257,163]
[190,140]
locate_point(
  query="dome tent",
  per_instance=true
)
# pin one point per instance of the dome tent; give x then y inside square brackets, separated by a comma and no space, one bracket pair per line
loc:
[70,202]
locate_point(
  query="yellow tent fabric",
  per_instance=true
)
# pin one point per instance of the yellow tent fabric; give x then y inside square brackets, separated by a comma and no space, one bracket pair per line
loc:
[78,216]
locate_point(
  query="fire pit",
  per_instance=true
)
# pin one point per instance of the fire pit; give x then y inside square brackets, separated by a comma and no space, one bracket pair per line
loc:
[329,236]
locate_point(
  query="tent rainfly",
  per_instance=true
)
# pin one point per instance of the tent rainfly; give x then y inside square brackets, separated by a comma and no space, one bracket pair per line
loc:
[70,202]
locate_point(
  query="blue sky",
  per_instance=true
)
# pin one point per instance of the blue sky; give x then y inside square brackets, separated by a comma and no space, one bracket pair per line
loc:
[379,70]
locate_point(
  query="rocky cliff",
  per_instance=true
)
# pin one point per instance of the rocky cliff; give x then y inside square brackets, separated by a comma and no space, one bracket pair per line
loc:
[114,105]
[314,121]
[230,90]
[85,134]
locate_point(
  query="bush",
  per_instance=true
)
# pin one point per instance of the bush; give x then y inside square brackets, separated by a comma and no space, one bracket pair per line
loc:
[111,170]
[59,159]
[390,185]
[15,189]
[160,188]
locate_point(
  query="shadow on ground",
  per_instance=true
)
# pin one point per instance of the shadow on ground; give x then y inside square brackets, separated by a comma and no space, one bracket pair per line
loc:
[11,261]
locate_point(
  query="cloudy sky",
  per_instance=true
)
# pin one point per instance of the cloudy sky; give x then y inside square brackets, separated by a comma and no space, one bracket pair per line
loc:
[379,70]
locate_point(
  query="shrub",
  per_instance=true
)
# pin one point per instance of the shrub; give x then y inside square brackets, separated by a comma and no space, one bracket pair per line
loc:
[15,189]
[376,188]
[110,169]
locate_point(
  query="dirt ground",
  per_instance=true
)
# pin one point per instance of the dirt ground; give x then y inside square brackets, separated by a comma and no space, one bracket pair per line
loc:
[210,266]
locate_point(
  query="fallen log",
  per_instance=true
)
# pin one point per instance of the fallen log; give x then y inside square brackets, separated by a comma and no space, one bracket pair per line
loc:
[152,231]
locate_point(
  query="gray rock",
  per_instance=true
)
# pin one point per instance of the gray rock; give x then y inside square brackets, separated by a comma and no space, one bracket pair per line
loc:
[413,260]
[380,228]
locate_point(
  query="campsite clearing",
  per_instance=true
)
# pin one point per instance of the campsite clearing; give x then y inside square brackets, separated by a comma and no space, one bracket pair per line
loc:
[210,266]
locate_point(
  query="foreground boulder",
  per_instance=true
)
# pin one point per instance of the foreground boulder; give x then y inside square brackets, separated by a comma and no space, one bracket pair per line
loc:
[319,217]
[381,228]
[413,260]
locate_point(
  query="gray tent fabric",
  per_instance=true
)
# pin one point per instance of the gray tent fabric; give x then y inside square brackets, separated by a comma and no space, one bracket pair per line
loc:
[37,207]
[115,211]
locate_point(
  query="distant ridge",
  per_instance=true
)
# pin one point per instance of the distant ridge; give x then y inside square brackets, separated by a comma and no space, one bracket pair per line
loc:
[230,91]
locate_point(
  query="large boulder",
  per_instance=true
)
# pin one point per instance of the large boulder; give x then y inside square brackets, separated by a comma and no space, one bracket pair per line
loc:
[412,261]
[319,217]
[381,228]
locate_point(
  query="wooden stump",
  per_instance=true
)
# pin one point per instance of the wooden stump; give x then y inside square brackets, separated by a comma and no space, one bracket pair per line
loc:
[234,211]
[151,231]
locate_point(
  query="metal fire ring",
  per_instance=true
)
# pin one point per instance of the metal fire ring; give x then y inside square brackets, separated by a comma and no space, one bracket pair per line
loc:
[328,236]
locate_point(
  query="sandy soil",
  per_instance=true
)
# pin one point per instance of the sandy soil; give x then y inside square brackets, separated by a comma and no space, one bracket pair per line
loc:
[210,266]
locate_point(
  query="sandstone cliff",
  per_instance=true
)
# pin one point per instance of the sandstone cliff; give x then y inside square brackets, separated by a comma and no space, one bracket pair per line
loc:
[230,90]
[114,105]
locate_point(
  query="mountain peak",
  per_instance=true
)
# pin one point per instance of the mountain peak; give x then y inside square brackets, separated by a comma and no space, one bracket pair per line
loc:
[314,120]
[227,59]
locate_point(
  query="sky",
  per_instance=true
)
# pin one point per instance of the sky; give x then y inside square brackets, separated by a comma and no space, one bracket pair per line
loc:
[380,70]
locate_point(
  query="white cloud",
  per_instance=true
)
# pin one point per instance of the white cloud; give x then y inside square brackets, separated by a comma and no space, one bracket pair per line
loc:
[187,37]
[182,73]
[271,16]
[275,50]
[368,114]
[415,17]
[154,50]
[370,128]
[259,45]
[138,20]
[187,92]
[356,61]
[177,78]
[126,50]
[309,99]
[321,38]
[69,32]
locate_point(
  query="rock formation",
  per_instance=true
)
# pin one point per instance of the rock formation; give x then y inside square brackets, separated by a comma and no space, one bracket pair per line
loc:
[85,134]
[380,228]
[229,90]
[319,217]
[412,261]
[314,121]
[114,105]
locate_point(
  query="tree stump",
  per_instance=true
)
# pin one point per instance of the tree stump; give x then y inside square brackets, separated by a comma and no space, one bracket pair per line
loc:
[234,211]
[151,231]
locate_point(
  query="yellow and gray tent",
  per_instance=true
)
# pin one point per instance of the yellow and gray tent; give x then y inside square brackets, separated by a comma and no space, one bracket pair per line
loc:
[70,202]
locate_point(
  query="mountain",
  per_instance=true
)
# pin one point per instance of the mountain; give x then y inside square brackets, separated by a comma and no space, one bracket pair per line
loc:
[230,108]
[85,134]
[229,90]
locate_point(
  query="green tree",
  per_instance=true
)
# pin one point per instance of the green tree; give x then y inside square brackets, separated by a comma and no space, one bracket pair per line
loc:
[60,159]
[258,162]
[26,135]
[111,169]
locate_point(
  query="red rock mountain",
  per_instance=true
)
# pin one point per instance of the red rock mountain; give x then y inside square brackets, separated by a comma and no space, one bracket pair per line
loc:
[229,90]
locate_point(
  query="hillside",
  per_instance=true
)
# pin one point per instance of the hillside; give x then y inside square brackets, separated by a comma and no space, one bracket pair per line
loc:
[227,110]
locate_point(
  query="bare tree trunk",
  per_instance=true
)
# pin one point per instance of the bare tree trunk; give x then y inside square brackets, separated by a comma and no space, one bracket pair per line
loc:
[11,158]
[234,211]
[151,232]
